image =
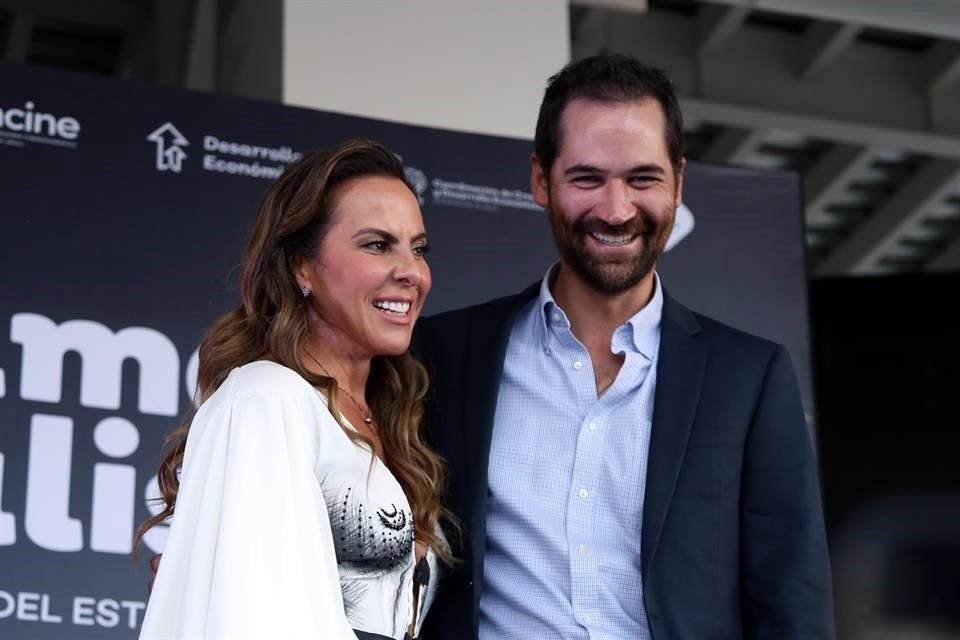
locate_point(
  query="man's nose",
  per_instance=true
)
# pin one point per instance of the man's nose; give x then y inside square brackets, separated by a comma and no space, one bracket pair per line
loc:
[618,206]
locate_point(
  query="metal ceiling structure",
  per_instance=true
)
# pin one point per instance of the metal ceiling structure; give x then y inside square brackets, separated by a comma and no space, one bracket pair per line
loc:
[860,97]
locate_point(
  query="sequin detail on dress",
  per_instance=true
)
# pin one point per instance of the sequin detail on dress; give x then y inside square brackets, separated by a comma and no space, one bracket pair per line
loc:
[370,539]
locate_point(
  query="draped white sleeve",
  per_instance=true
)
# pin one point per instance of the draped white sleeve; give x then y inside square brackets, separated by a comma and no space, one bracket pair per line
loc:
[250,552]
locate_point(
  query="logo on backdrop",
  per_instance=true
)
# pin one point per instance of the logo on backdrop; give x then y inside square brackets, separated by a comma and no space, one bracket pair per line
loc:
[465,195]
[20,125]
[418,180]
[242,159]
[220,156]
[170,144]
[68,510]
[49,521]
[683,226]
[457,193]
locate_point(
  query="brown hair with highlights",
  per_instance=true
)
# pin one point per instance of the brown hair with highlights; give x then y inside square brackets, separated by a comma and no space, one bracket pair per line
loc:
[272,323]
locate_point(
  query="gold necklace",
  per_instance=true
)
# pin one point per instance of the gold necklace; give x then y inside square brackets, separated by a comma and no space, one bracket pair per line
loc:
[367,418]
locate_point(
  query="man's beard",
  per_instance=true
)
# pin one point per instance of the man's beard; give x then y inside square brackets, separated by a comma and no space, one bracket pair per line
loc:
[609,274]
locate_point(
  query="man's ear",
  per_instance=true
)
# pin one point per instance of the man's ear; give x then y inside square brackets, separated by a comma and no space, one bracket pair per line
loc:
[539,180]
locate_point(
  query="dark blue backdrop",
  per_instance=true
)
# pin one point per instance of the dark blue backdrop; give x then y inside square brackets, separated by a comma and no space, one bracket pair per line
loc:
[124,210]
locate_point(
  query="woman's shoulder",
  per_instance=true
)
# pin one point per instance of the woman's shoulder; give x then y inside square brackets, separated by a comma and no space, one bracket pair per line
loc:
[265,377]
[261,381]
[264,399]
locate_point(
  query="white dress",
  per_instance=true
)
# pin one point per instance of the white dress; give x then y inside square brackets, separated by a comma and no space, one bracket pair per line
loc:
[284,527]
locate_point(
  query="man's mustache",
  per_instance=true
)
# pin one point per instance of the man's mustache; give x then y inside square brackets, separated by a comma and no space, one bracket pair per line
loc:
[638,225]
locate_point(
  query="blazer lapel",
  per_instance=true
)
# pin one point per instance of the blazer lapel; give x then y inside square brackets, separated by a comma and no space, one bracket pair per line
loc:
[488,337]
[680,369]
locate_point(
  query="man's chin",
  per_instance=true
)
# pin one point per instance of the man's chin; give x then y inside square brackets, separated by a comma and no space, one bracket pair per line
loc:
[611,278]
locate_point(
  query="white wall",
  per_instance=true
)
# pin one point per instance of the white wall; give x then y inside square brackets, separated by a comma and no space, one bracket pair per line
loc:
[468,65]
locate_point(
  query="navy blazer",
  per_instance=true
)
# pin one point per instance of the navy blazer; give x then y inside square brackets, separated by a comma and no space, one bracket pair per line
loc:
[732,542]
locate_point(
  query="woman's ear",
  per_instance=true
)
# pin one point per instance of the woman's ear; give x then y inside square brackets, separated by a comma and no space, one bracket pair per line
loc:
[302,271]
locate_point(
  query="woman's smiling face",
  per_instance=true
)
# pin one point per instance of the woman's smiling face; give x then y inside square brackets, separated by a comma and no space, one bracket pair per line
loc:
[369,276]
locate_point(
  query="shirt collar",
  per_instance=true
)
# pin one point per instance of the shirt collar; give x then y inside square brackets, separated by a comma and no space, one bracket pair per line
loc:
[643,326]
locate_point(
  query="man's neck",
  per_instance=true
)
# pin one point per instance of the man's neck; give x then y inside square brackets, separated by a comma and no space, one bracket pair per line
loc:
[594,315]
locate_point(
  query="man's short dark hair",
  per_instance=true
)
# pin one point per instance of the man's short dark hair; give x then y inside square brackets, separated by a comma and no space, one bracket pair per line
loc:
[606,78]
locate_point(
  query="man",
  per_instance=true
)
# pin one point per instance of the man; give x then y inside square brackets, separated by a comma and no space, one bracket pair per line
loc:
[621,467]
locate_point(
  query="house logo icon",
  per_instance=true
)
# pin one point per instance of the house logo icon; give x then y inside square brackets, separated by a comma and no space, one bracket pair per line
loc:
[170,144]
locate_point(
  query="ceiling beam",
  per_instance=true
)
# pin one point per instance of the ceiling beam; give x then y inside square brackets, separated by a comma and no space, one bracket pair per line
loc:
[732,146]
[861,251]
[942,65]
[929,17]
[756,73]
[636,6]
[826,180]
[824,43]
[823,128]
[716,24]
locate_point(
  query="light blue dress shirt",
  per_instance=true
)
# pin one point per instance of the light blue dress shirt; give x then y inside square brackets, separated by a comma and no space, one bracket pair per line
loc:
[566,481]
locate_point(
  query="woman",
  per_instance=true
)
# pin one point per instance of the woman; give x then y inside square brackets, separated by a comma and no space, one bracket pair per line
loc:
[308,505]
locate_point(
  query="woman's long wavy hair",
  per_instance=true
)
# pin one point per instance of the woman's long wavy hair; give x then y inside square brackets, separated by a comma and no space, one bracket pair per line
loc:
[272,323]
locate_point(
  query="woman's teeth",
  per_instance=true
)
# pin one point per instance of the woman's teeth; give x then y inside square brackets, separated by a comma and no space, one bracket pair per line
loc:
[400,308]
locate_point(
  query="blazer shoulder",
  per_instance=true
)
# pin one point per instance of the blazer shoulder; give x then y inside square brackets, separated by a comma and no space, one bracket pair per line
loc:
[446,325]
[735,345]
[717,331]
[738,357]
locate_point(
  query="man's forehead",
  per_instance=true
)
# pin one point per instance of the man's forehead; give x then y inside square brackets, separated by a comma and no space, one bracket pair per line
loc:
[589,111]
[594,128]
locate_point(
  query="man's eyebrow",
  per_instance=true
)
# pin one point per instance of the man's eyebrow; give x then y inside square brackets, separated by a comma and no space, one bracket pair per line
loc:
[640,168]
[648,168]
[581,168]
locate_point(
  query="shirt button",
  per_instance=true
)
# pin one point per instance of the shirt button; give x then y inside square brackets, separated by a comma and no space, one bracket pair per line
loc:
[582,549]
[583,493]
[588,618]
[593,426]
[557,316]
[578,365]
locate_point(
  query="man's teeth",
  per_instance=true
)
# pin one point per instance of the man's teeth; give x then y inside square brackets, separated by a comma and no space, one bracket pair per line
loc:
[610,239]
[393,307]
